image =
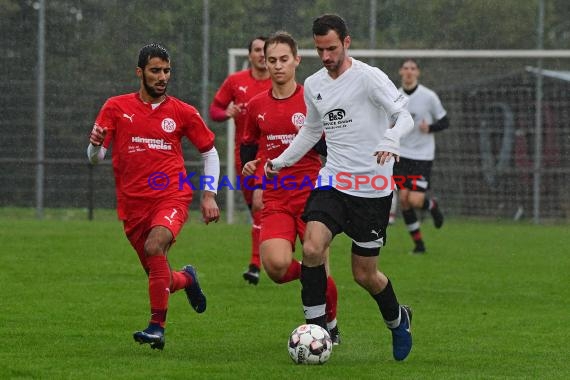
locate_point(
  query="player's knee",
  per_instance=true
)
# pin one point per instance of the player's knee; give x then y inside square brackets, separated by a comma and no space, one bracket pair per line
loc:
[274,275]
[274,270]
[359,277]
[362,277]
[313,253]
[152,248]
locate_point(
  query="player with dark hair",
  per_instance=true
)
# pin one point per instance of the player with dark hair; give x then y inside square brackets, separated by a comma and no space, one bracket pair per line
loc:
[231,101]
[273,120]
[146,129]
[417,151]
[363,116]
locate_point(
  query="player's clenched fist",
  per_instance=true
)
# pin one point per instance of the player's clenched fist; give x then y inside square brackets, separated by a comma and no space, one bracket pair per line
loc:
[97,135]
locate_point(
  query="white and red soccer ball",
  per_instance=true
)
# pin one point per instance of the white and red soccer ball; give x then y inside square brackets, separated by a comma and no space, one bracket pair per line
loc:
[310,344]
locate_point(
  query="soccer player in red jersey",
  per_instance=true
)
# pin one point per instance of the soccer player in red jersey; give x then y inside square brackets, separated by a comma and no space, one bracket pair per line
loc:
[146,129]
[273,120]
[231,101]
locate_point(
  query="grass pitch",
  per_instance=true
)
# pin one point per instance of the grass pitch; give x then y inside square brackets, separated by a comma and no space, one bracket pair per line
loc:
[490,300]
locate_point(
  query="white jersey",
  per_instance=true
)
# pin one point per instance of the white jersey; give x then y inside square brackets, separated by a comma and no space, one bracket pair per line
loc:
[354,110]
[423,104]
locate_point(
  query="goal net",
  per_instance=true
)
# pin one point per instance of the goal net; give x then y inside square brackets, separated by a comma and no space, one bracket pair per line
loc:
[505,154]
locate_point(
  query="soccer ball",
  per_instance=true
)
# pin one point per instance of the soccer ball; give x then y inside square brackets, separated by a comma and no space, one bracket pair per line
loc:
[310,344]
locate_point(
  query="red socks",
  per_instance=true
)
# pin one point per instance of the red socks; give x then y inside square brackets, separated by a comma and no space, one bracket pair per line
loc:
[255,230]
[332,298]
[416,235]
[158,287]
[293,272]
[179,281]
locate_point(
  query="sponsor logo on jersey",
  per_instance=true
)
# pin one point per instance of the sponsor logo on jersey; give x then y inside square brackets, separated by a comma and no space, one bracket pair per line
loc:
[336,114]
[243,89]
[285,138]
[335,119]
[157,144]
[168,125]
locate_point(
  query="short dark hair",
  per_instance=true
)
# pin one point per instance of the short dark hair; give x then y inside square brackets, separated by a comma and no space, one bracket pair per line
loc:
[152,50]
[281,37]
[409,59]
[323,24]
[250,44]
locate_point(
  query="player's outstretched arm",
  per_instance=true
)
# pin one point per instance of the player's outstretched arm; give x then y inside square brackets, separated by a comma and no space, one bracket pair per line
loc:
[302,143]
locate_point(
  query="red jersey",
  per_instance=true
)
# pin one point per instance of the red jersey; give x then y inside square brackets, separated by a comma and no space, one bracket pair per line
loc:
[273,124]
[147,142]
[239,88]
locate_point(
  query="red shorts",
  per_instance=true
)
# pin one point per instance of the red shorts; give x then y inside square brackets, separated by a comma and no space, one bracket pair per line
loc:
[282,219]
[171,214]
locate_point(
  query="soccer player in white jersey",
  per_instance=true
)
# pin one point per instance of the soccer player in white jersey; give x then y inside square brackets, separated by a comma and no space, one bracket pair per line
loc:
[417,151]
[363,116]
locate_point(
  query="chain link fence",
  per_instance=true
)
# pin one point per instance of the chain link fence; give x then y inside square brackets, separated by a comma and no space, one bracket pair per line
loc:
[485,162]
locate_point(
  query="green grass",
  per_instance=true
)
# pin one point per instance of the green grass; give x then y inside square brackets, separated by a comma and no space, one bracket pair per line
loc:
[490,300]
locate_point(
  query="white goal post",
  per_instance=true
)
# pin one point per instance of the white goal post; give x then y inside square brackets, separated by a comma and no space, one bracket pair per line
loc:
[235,54]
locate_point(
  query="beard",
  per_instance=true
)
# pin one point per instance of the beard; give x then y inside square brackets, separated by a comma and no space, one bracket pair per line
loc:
[334,66]
[151,91]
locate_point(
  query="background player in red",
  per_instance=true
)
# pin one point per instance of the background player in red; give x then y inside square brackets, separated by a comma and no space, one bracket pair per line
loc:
[231,100]
[273,120]
[146,129]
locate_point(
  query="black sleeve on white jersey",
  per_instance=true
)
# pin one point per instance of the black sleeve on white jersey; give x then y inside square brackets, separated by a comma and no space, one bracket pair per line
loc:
[439,125]
[247,152]
[321,147]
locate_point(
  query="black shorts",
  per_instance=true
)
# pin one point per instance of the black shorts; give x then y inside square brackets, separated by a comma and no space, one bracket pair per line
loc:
[412,174]
[364,220]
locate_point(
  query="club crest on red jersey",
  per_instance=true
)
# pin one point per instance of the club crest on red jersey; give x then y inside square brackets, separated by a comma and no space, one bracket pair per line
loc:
[168,125]
[298,119]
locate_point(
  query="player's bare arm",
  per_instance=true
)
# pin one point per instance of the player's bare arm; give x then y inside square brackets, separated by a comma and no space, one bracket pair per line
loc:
[209,207]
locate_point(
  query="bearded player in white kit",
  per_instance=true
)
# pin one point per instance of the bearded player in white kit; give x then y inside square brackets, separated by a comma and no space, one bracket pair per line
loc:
[355,105]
